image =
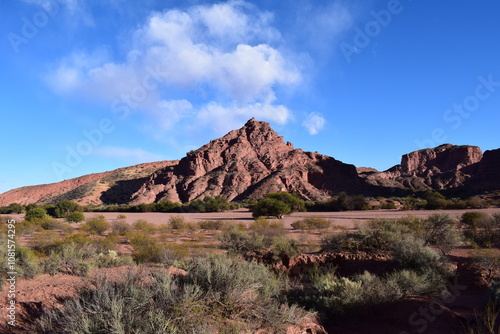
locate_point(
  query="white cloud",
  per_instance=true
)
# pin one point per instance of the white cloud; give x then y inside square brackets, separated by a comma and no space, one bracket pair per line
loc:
[222,49]
[126,154]
[224,118]
[314,123]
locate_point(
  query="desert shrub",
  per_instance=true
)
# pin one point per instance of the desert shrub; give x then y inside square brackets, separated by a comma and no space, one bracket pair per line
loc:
[475,202]
[26,262]
[440,232]
[410,253]
[488,258]
[75,217]
[65,208]
[178,223]
[48,223]
[389,205]
[35,213]
[121,216]
[146,248]
[472,219]
[111,259]
[211,225]
[171,254]
[215,295]
[481,229]
[240,241]
[103,244]
[267,228]
[45,241]
[121,227]
[96,225]
[333,296]
[284,247]
[342,241]
[312,223]
[67,259]
[78,239]
[144,226]
[12,208]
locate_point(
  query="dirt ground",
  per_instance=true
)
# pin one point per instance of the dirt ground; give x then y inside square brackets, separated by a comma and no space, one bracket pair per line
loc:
[347,219]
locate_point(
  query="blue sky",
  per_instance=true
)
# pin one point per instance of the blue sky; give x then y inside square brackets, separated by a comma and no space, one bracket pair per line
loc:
[90,86]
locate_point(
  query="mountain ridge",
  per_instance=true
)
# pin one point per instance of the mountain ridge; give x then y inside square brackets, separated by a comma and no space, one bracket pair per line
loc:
[249,162]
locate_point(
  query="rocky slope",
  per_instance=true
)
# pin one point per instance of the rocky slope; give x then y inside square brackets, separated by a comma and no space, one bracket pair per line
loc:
[443,167]
[96,188]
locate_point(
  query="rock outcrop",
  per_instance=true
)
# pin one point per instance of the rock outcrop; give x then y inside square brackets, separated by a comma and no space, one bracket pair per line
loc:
[443,167]
[249,163]
[487,176]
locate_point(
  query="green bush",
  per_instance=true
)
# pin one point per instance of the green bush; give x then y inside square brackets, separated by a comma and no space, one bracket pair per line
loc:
[75,217]
[65,208]
[35,213]
[96,225]
[146,248]
[472,219]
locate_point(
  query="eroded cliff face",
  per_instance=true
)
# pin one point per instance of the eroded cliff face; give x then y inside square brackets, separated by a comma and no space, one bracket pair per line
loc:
[248,163]
[488,173]
[446,166]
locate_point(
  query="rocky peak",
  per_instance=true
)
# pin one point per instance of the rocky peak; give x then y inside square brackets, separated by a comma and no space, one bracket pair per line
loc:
[444,158]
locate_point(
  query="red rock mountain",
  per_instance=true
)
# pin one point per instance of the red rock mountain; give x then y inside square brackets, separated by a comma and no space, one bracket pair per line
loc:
[443,167]
[254,160]
[249,163]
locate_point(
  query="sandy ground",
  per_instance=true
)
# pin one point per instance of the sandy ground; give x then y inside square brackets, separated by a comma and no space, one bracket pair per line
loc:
[347,219]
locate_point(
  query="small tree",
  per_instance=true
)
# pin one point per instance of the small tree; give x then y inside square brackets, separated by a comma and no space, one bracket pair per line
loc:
[64,208]
[267,207]
[35,214]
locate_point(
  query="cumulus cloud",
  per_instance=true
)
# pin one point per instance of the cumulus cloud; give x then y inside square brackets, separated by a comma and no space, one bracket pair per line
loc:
[224,50]
[126,154]
[314,123]
[225,118]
